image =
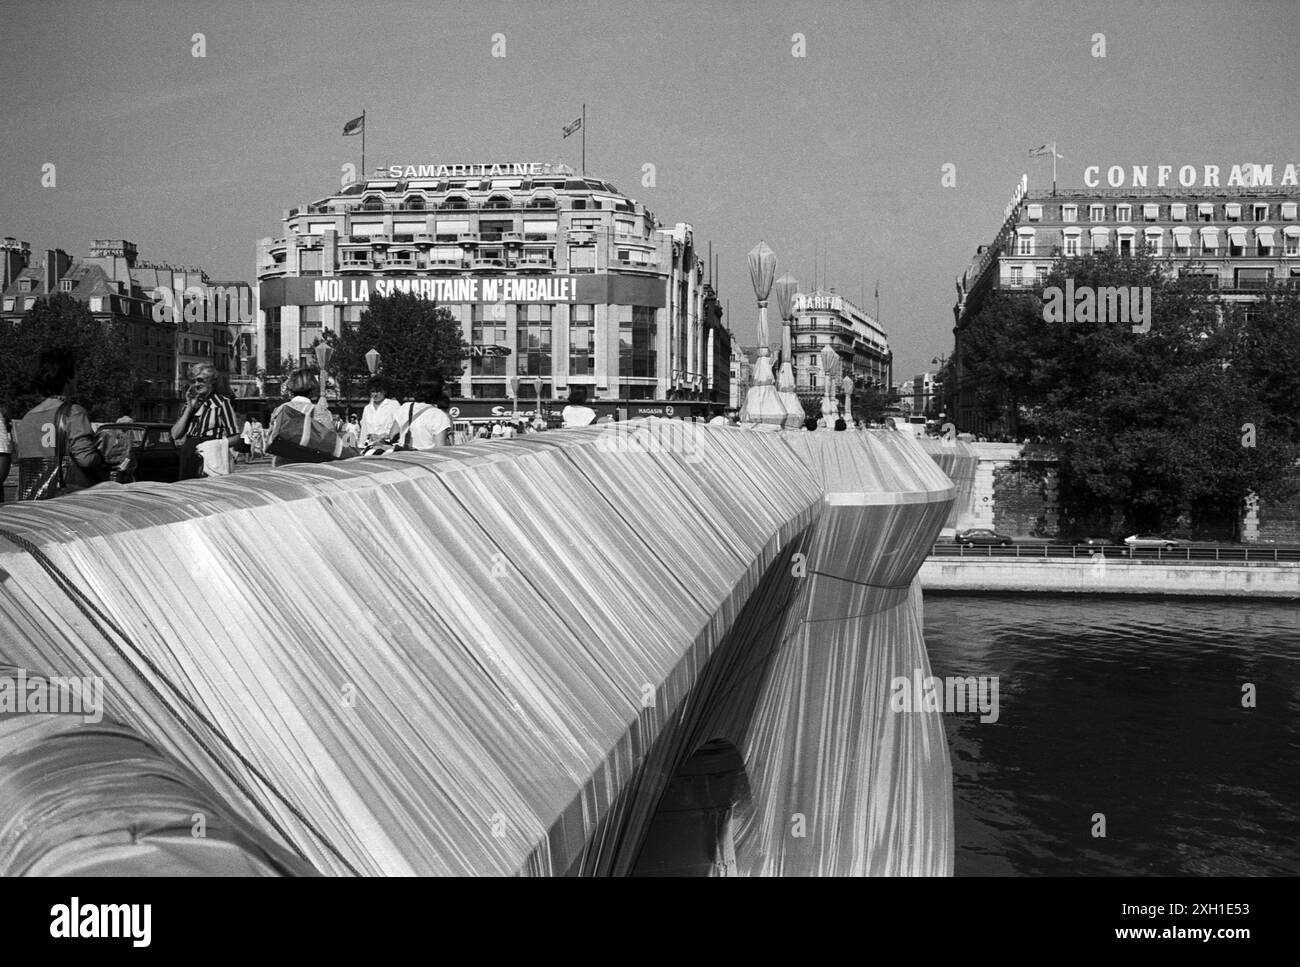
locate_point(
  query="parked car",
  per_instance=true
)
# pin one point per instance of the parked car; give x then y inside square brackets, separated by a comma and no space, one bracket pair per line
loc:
[983,536]
[1151,540]
[157,455]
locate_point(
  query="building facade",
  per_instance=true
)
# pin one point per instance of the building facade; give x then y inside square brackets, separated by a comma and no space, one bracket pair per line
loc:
[551,276]
[827,319]
[1239,240]
[166,311]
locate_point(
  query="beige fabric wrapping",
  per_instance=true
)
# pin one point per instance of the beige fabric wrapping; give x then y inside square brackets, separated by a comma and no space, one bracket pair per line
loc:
[492,660]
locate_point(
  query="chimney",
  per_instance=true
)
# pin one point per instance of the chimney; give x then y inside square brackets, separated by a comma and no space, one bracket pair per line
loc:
[14,257]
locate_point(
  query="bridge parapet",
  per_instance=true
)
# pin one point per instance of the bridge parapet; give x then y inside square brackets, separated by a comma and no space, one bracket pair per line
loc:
[494,658]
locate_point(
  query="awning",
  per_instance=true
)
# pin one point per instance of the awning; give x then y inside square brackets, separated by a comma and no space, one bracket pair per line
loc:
[1232,210]
[1182,236]
[1035,212]
[1150,211]
[1237,235]
[1264,234]
[1291,231]
[1205,208]
[1288,209]
[1178,212]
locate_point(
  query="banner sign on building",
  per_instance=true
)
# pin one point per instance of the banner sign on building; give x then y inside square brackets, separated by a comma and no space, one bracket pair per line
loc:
[483,290]
[358,289]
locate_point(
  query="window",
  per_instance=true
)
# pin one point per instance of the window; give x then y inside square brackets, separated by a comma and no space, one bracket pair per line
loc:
[1178,213]
[1155,241]
[582,340]
[637,335]
[1292,243]
[582,258]
[1123,213]
[1069,213]
[1034,213]
[1100,239]
[1209,242]
[533,340]
[1205,211]
[372,203]
[309,262]
[1126,245]
[1182,241]
[24,285]
[1025,245]
[1259,212]
[1232,212]
[1237,243]
[1096,213]
[1042,272]
[1071,245]
[1017,275]
[1264,239]
[1289,210]
[488,328]
[65,285]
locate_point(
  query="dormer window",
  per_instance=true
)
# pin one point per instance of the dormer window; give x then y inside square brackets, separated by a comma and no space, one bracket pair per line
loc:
[65,285]
[372,203]
[24,285]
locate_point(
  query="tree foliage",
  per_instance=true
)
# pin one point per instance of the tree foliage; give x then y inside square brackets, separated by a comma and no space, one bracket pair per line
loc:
[107,382]
[414,337]
[1155,428]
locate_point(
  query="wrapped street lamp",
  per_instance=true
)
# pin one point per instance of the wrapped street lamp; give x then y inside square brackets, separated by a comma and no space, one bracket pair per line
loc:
[831,368]
[762,404]
[786,286]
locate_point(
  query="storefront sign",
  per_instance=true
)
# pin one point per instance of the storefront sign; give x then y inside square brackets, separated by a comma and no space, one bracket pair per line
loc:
[510,169]
[1190,176]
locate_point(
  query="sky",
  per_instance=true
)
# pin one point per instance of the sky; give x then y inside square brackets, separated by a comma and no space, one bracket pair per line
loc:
[835,159]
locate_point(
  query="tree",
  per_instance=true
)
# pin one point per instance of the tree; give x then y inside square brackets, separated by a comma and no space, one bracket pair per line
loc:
[415,339]
[107,383]
[1150,425]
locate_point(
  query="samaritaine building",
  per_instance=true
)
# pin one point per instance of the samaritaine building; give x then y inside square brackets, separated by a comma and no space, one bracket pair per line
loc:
[553,277]
[1241,238]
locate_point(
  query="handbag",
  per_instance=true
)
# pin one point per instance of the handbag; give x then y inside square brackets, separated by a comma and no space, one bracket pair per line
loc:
[297,438]
[217,460]
[40,478]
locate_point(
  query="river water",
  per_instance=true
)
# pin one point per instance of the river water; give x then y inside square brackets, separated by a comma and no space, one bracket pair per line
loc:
[1131,708]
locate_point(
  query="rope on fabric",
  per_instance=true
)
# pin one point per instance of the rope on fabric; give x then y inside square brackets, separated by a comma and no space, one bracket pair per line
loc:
[92,614]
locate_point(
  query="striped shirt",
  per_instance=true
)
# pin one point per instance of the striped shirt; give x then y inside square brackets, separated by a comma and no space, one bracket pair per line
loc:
[214,417]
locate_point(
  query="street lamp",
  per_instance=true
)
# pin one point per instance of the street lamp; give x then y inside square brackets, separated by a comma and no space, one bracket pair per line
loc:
[786,286]
[372,361]
[762,404]
[831,367]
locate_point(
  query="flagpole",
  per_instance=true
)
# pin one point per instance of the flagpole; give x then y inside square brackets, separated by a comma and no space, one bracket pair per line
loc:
[363,144]
[1053,169]
[584,139]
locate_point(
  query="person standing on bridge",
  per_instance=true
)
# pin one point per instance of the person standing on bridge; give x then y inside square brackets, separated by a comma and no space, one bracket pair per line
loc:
[208,416]
[578,413]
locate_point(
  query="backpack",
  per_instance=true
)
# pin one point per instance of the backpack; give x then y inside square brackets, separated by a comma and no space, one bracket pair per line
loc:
[296,438]
[40,478]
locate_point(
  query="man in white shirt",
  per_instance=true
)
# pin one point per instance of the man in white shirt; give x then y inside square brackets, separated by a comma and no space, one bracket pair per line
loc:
[422,422]
[378,416]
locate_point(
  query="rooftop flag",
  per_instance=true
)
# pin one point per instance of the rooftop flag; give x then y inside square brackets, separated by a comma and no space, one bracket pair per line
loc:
[355,126]
[1046,149]
[570,128]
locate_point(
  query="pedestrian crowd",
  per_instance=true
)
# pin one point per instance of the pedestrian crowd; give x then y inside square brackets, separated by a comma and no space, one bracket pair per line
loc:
[57,450]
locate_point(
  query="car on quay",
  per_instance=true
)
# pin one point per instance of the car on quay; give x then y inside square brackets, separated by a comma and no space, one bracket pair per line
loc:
[1150,541]
[983,537]
[156,454]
